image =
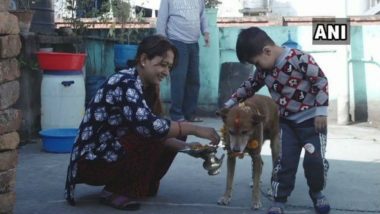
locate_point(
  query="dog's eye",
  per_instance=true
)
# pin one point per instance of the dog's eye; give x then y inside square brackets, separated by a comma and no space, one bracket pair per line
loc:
[244,132]
[231,132]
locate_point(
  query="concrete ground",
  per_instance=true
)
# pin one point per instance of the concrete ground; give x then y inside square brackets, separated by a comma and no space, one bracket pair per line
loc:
[353,185]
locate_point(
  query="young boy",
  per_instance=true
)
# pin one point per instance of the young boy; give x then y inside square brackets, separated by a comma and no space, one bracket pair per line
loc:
[300,88]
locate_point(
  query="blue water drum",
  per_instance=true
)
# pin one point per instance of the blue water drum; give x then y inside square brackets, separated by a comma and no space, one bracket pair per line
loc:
[123,54]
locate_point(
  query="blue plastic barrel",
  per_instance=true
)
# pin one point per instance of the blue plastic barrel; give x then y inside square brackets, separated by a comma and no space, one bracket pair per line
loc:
[123,53]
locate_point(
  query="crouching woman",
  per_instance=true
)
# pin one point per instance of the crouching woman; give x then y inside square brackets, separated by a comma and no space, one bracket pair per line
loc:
[123,142]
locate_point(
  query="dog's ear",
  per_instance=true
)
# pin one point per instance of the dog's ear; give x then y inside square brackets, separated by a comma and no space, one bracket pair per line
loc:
[257,118]
[222,113]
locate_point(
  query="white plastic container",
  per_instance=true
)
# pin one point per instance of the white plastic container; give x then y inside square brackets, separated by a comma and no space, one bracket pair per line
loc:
[62,99]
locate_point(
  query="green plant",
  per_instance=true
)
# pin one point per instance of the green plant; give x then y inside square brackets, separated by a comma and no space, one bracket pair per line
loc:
[212,3]
[29,64]
[84,9]
[75,22]
[126,19]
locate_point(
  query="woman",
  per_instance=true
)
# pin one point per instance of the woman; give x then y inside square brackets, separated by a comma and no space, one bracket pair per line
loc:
[123,142]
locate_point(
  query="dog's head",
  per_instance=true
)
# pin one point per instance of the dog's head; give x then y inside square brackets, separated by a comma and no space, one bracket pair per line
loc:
[240,122]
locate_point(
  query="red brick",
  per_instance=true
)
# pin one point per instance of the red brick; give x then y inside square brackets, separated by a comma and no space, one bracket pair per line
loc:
[9,94]
[9,69]
[8,160]
[7,181]
[10,46]
[7,201]
[9,141]
[10,120]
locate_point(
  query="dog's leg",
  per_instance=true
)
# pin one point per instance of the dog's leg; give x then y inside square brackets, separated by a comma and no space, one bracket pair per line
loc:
[257,167]
[226,198]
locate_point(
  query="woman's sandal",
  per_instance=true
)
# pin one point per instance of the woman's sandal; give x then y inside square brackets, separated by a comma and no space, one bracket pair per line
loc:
[119,202]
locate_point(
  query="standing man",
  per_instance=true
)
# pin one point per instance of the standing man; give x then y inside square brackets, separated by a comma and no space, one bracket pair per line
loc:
[183,21]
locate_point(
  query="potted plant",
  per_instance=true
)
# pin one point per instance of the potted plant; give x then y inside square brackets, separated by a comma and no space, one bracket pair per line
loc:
[126,47]
[93,42]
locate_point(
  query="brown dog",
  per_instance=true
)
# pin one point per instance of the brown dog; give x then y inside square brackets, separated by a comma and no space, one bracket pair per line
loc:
[246,127]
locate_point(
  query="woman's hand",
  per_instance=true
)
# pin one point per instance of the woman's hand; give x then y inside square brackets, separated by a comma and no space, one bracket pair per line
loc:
[320,123]
[193,144]
[208,133]
[181,129]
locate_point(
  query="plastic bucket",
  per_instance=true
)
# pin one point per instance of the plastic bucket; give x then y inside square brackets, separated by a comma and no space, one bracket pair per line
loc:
[58,140]
[123,53]
[59,61]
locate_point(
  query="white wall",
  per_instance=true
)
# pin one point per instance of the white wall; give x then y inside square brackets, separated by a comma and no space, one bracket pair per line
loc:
[309,7]
[230,8]
[337,8]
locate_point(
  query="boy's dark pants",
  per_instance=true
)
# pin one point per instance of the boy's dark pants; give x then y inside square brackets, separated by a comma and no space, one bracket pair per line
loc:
[294,137]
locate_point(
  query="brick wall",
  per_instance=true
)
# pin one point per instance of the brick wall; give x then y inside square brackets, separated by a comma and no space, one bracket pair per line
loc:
[10,118]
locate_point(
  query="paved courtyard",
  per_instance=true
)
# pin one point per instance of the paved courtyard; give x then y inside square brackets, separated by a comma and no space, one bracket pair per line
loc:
[353,182]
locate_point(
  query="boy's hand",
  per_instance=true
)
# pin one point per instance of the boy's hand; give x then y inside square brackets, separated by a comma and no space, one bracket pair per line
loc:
[320,123]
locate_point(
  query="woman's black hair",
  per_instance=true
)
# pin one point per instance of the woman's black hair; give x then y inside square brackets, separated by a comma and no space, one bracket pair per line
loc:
[155,45]
[251,42]
[152,46]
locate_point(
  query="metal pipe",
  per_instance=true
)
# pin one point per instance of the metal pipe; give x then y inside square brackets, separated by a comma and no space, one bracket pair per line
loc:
[322,51]
[343,101]
[369,61]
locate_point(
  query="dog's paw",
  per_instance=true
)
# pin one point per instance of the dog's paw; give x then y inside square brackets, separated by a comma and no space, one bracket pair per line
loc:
[256,205]
[224,200]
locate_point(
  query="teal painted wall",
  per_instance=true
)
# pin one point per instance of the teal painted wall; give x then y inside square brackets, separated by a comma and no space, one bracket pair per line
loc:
[209,66]
[99,58]
[365,45]
[364,76]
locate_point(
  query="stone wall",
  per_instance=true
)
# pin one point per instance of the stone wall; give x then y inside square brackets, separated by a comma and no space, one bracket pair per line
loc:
[10,118]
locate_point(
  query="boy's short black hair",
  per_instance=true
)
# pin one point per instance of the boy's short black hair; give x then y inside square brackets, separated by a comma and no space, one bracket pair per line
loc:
[251,42]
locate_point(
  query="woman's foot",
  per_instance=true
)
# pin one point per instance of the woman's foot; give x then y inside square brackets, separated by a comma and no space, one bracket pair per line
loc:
[117,201]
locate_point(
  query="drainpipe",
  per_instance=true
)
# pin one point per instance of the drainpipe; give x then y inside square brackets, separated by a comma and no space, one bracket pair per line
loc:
[343,100]
[368,61]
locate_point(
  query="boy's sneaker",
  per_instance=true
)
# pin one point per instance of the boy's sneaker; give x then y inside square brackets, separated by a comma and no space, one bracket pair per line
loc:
[276,208]
[320,202]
